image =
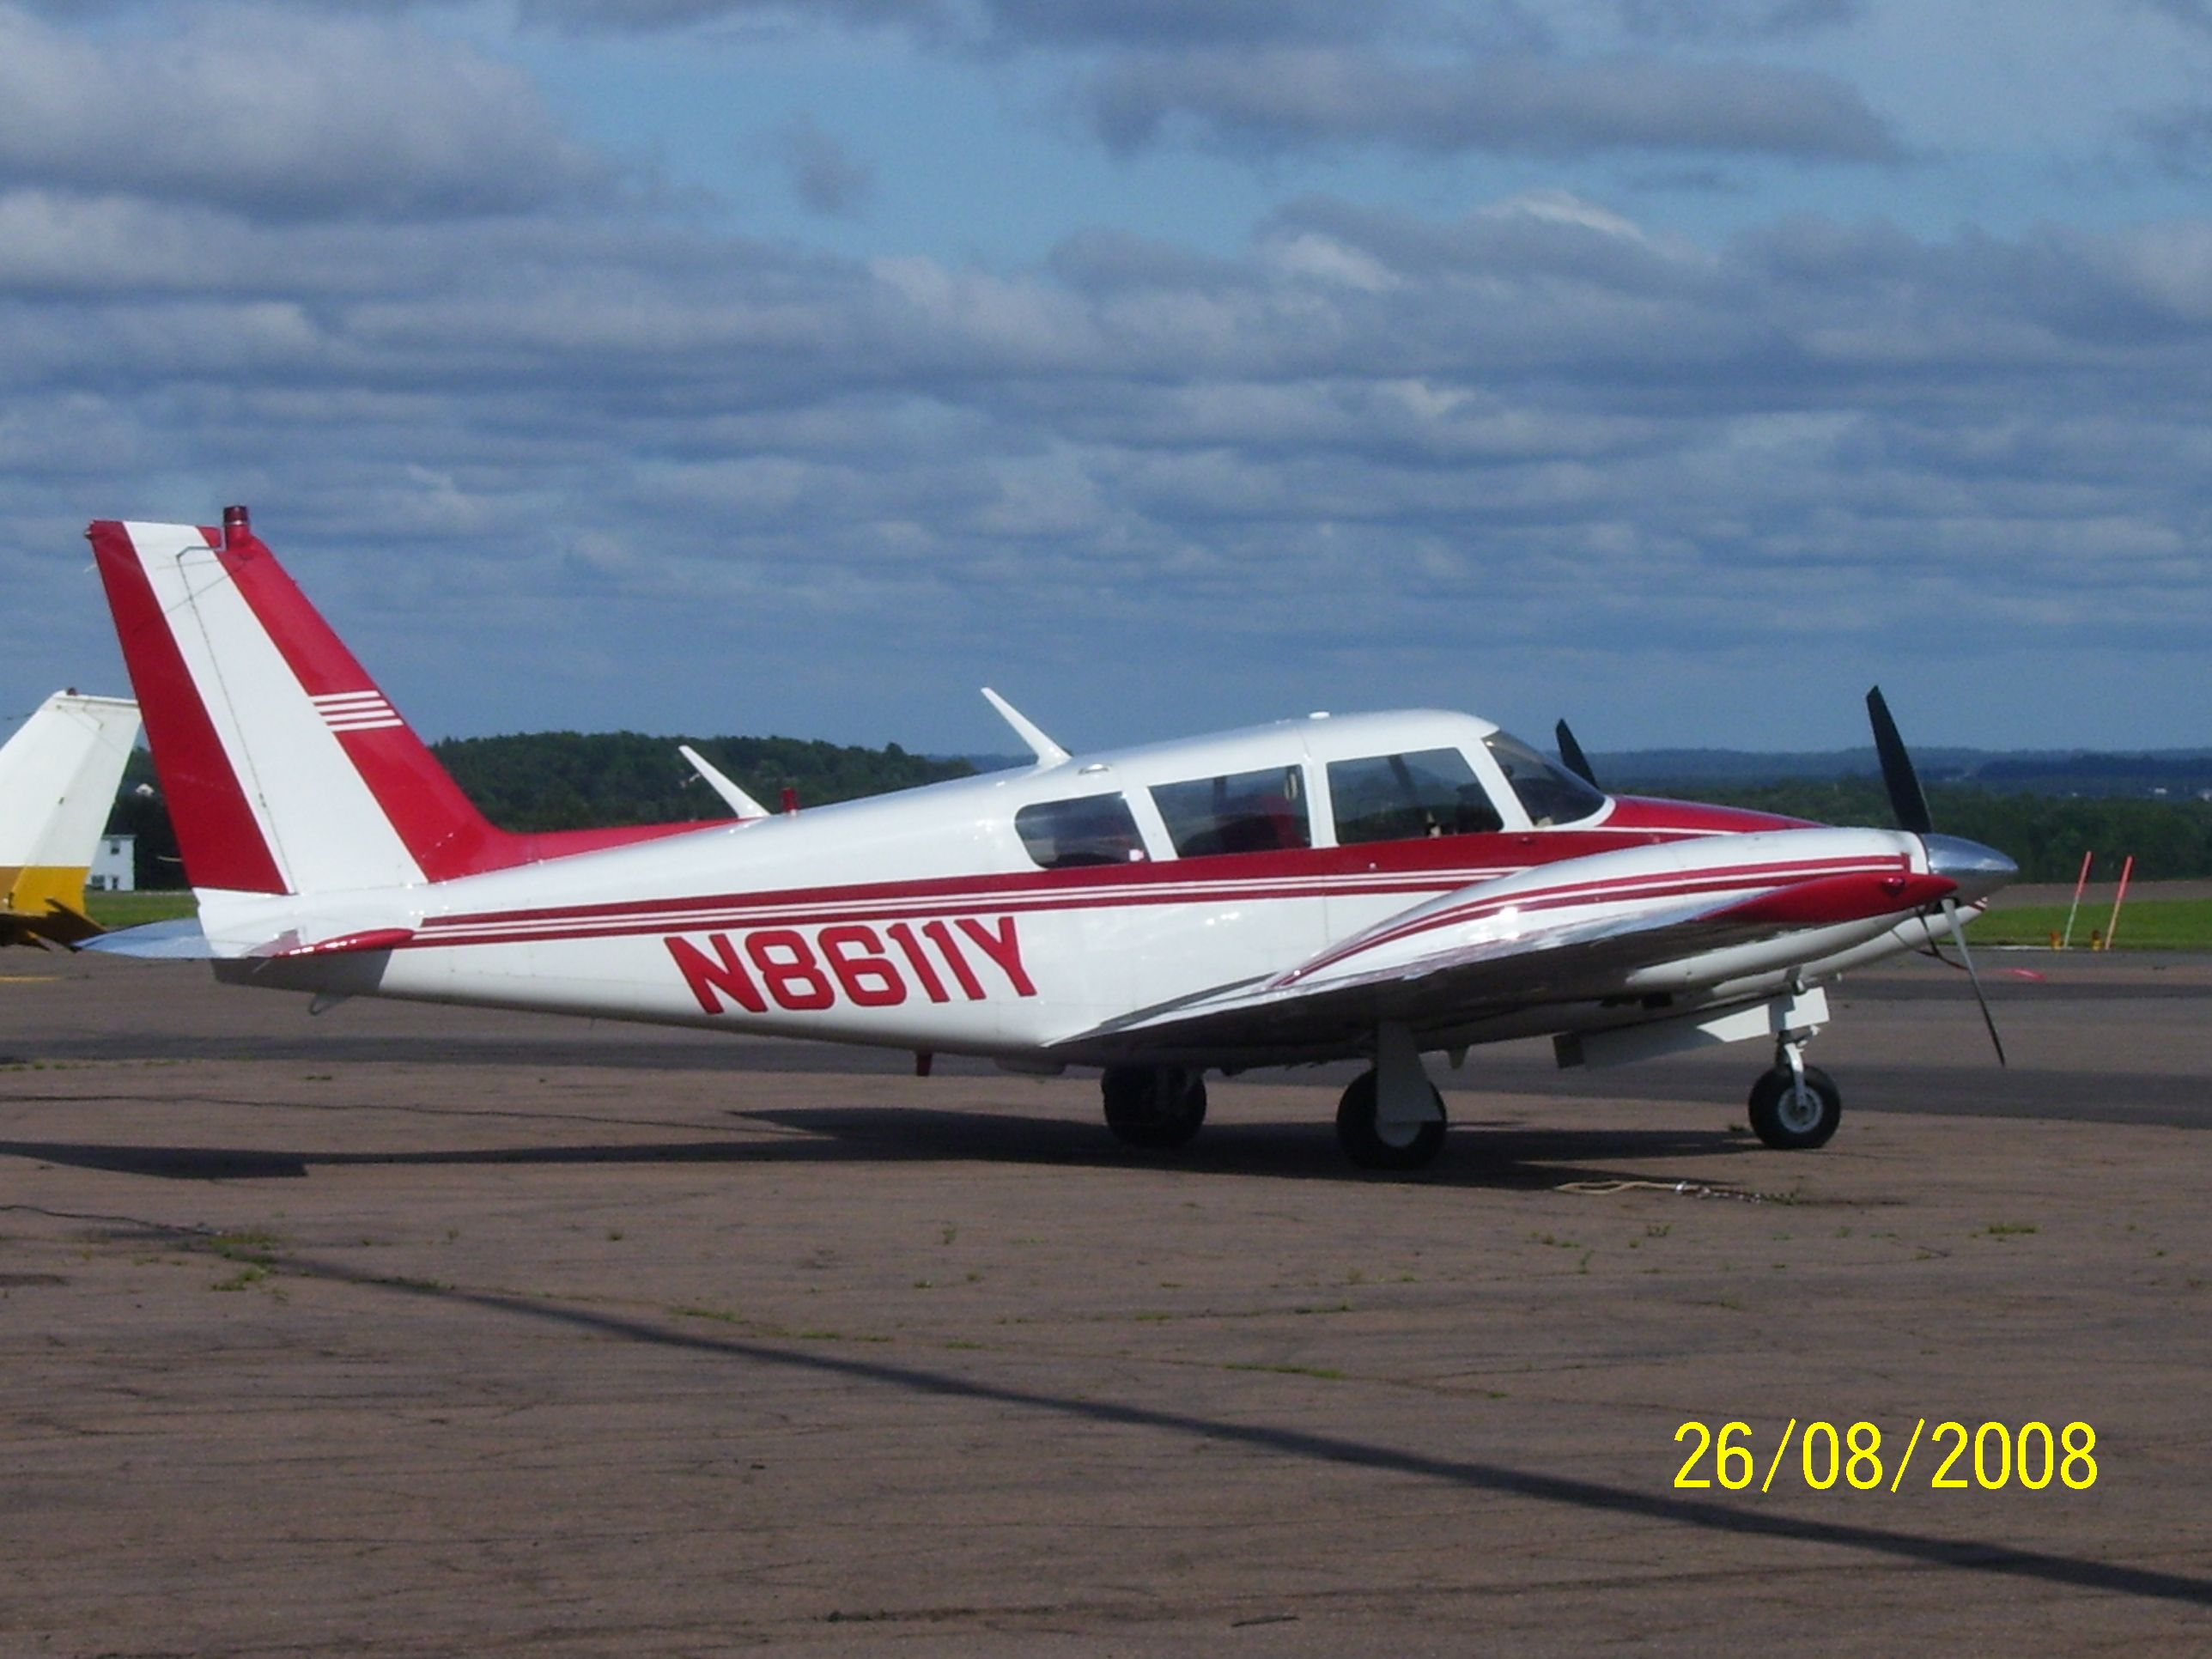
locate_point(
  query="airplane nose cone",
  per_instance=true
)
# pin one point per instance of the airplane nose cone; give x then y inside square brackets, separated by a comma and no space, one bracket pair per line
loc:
[1980,871]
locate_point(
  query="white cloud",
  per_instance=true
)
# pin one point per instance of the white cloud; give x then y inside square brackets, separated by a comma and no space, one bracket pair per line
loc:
[281,117]
[564,455]
[1289,98]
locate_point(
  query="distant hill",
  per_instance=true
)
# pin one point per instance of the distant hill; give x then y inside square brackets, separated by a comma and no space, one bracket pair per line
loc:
[2169,773]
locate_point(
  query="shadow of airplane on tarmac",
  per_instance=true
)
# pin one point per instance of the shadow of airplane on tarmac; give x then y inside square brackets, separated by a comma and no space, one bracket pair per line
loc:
[1476,1156]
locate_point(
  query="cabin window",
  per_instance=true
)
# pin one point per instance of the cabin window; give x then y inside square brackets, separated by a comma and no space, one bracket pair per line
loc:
[1432,792]
[1060,834]
[1548,793]
[1261,811]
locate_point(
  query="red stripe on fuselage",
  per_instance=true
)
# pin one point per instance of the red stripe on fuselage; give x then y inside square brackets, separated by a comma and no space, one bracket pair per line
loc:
[1418,870]
[1162,883]
[1433,864]
[217,831]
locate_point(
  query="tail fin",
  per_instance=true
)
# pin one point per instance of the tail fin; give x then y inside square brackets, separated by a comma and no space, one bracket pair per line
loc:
[58,776]
[286,770]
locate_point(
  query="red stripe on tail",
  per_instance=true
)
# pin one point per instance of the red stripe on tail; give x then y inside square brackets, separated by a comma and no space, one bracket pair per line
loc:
[440,825]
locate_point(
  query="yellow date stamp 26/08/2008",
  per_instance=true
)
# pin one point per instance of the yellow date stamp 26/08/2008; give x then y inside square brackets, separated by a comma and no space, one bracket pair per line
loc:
[1989,1458]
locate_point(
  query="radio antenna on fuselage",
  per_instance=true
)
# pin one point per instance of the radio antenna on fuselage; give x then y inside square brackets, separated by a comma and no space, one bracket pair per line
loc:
[1048,752]
[739,802]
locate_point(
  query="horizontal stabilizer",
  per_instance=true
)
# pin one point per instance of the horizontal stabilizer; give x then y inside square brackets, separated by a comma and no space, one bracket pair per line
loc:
[181,940]
[185,940]
[57,924]
[367,938]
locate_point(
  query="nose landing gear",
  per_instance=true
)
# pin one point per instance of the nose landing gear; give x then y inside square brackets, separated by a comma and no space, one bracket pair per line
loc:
[1795,1107]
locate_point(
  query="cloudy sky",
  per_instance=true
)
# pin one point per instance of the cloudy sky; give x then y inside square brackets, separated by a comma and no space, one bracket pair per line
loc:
[1680,365]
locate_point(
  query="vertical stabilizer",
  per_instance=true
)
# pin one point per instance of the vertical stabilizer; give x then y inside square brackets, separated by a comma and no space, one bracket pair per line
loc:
[286,770]
[58,776]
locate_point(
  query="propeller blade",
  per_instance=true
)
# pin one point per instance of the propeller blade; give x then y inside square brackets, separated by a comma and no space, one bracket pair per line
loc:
[1571,753]
[1958,933]
[1905,798]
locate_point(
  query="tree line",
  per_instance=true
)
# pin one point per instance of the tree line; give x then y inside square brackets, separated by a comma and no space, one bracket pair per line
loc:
[578,781]
[590,780]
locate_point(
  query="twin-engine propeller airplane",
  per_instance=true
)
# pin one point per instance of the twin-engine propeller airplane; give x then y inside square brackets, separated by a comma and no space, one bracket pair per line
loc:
[1378,886]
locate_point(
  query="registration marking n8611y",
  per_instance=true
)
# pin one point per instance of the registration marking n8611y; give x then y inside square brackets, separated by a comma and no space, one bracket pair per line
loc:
[807,969]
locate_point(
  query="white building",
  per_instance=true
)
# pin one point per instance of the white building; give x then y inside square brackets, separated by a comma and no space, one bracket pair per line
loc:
[114,865]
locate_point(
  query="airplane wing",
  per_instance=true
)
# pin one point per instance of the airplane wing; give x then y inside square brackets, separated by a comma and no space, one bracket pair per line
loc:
[1572,932]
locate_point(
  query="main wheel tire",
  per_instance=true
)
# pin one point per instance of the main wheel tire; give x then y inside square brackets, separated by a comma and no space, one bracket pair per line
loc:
[1367,1143]
[1791,1120]
[1157,1108]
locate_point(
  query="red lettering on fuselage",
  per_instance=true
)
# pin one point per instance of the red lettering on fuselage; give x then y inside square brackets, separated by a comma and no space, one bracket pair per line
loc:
[848,962]
[1004,947]
[918,959]
[941,936]
[868,977]
[728,975]
[788,968]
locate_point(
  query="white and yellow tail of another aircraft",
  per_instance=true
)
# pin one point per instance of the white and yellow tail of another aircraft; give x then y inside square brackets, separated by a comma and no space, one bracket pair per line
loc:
[58,776]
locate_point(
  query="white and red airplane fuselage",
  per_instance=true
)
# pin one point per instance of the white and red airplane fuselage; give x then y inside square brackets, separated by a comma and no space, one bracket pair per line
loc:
[1376,885]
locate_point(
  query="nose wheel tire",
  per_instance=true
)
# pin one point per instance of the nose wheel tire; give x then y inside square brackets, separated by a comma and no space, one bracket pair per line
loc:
[1373,1144]
[1156,1109]
[1793,1117]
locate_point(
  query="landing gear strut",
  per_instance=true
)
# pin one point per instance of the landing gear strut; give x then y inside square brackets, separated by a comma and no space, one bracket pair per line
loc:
[1392,1117]
[1157,1108]
[1373,1144]
[1795,1107]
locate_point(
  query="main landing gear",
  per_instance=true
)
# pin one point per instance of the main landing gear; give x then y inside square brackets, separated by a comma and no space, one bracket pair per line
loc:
[1392,1117]
[1373,1143]
[1156,1109]
[1795,1107]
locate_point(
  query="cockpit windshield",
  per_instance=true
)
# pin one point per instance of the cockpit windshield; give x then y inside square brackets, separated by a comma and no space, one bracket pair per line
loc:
[1548,794]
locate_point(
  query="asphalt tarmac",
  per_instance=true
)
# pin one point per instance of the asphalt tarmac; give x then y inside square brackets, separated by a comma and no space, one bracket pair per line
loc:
[415,1331]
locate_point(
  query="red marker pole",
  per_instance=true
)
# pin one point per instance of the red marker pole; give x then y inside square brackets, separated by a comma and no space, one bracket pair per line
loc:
[2087,859]
[2119,898]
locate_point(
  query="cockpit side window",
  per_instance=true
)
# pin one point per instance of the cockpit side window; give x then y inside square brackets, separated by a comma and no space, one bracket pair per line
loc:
[1063,835]
[1262,811]
[1548,794]
[1432,792]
